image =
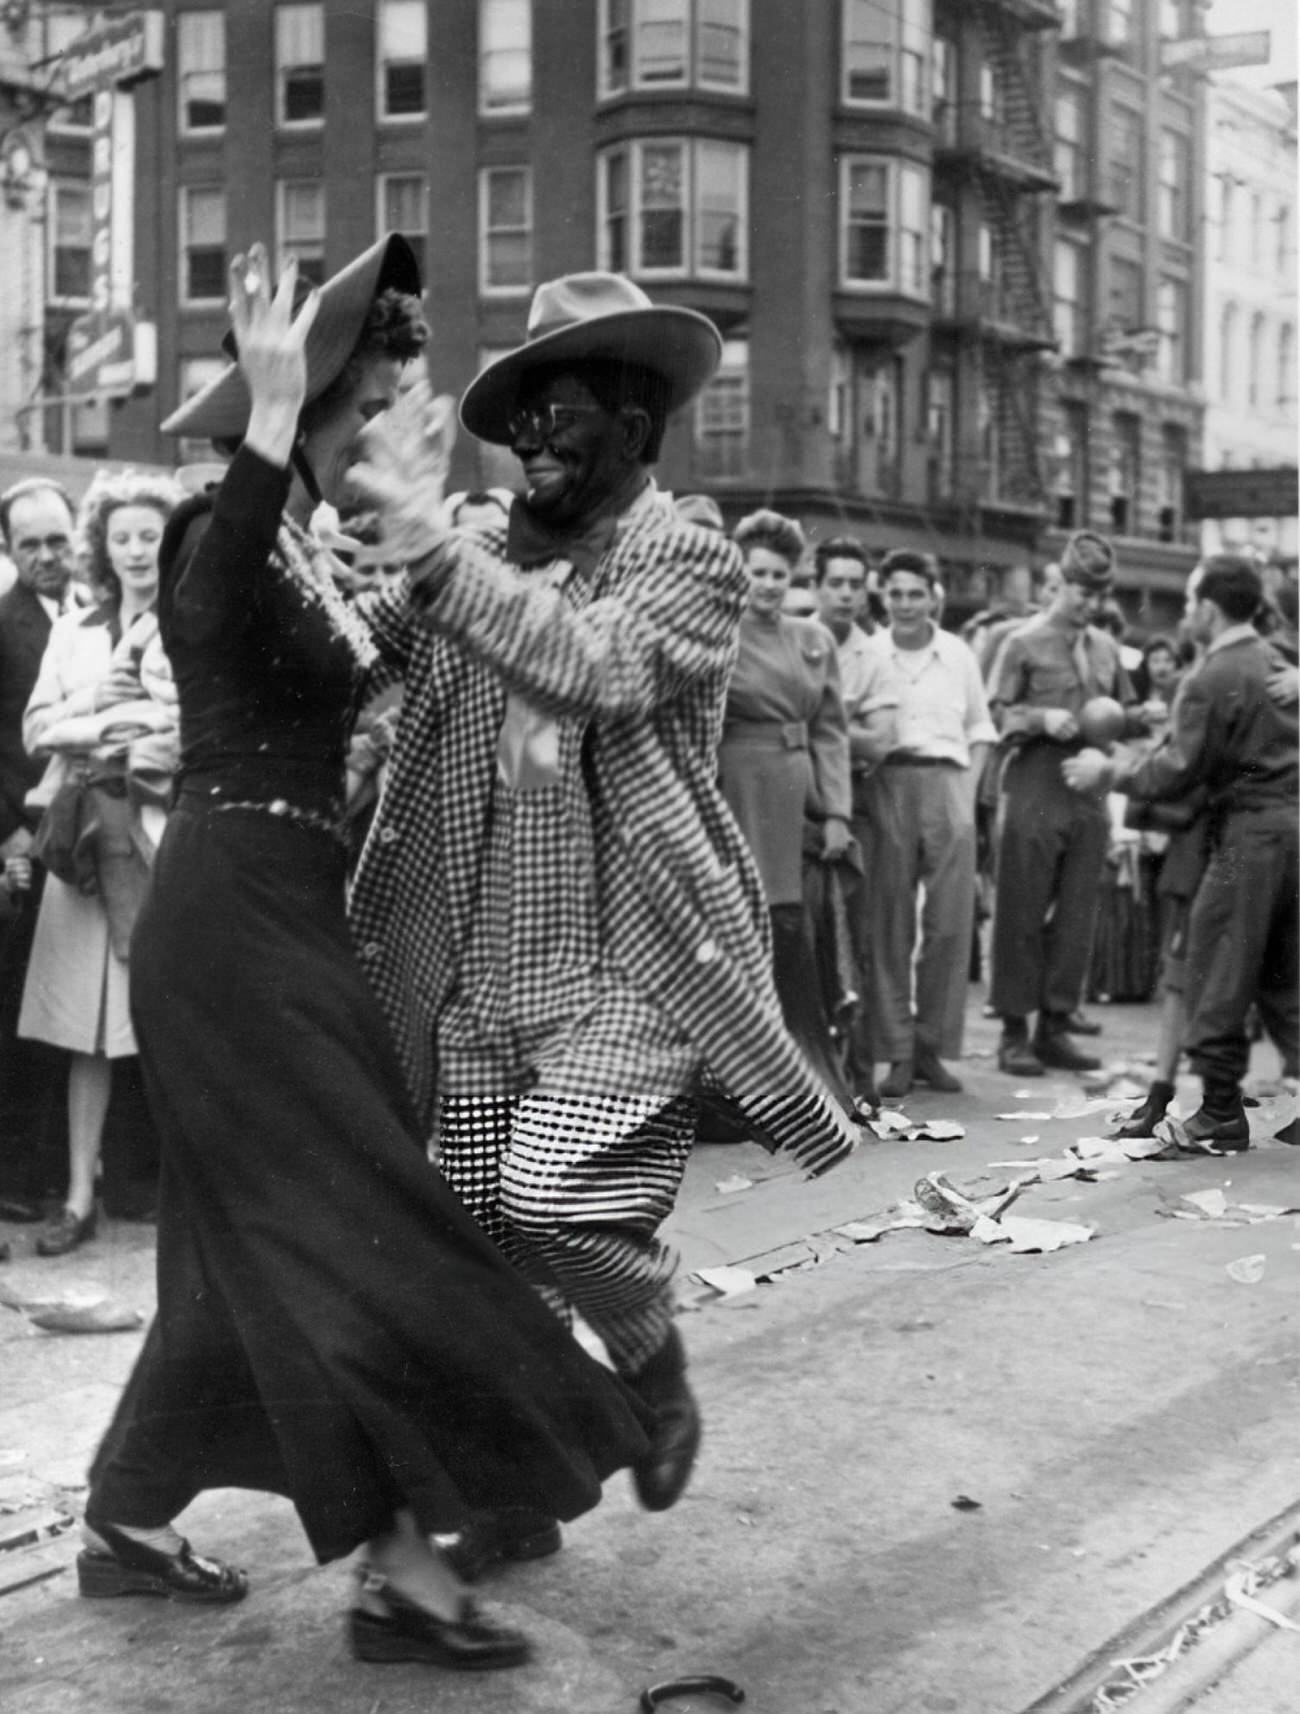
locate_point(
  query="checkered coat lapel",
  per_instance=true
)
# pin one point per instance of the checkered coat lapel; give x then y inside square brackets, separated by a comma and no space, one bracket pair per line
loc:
[645,664]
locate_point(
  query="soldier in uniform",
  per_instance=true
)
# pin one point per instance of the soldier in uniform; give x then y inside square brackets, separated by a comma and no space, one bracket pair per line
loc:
[1051,840]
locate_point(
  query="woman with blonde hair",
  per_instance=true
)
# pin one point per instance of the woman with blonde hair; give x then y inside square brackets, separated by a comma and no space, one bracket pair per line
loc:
[86,711]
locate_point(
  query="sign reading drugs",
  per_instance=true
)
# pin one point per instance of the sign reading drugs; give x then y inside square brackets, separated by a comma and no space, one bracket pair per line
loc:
[121,52]
[101,354]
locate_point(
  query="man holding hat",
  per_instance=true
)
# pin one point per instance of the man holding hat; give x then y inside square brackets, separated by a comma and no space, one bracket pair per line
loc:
[554,904]
[1051,840]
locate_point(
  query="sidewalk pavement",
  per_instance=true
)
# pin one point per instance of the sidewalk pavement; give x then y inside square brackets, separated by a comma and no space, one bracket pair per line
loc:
[1117,1412]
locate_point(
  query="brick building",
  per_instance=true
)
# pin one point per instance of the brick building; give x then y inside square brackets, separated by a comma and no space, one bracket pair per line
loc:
[1125,416]
[861,193]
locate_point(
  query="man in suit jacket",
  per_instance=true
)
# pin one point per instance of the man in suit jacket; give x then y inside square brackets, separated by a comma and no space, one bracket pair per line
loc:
[554,899]
[36,521]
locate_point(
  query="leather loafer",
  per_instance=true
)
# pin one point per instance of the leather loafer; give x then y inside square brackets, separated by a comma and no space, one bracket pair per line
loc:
[1018,1059]
[67,1231]
[1208,1133]
[132,1568]
[405,1631]
[1055,1049]
[660,1477]
[492,1538]
[897,1080]
[930,1070]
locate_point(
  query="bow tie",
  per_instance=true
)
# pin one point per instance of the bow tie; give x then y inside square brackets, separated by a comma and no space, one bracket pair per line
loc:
[530,541]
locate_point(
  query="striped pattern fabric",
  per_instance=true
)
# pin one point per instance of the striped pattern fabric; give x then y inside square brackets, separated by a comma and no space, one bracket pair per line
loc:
[573,1190]
[680,909]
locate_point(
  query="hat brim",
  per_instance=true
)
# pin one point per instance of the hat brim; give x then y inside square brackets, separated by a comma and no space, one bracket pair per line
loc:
[220,410]
[680,345]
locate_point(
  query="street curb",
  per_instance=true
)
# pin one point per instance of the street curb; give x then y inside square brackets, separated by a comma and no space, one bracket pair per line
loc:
[1154,1628]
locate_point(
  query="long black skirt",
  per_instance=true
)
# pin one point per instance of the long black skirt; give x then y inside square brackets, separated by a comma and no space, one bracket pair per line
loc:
[332,1325]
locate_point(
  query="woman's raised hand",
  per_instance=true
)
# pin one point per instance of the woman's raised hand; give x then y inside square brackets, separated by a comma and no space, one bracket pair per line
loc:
[272,349]
[401,471]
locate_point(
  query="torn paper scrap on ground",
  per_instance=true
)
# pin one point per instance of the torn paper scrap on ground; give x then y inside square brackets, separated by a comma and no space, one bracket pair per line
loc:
[728,1281]
[1024,1235]
[888,1123]
[1211,1202]
[1022,1115]
[102,1316]
[737,1181]
[1247,1270]
[861,1231]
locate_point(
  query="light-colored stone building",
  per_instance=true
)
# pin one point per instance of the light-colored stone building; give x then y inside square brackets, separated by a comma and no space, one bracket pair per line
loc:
[1251,309]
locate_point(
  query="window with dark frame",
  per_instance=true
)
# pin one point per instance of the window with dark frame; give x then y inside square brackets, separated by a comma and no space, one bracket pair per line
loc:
[300,63]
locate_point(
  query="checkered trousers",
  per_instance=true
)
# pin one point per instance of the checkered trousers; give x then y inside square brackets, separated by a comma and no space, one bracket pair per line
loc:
[573,1189]
[678,903]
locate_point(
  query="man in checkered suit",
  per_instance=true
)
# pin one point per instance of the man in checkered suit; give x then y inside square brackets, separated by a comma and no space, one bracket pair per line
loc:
[554,903]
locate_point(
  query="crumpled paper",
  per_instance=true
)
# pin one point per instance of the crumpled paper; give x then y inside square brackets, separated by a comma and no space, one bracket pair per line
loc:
[890,1123]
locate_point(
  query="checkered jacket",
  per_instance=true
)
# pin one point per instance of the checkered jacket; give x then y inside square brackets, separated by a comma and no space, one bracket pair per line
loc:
[645,665]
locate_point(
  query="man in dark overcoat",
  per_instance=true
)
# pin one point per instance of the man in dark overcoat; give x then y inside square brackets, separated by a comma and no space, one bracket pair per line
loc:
[36,521]
[554,903]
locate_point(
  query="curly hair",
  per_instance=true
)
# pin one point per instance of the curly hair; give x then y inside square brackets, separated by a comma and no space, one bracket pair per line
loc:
[108,493]
[773,531]
[394,327]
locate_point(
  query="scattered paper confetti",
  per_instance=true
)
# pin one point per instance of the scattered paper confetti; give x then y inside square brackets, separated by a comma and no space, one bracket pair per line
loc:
[1247,1270]
[731,1282]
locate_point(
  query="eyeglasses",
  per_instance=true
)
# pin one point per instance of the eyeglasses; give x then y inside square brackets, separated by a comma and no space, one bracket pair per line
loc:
[546,421]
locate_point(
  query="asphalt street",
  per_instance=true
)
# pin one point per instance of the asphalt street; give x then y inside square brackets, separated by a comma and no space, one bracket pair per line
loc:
[937,1477]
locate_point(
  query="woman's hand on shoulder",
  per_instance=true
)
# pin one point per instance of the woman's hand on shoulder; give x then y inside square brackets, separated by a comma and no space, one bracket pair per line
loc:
[272,349]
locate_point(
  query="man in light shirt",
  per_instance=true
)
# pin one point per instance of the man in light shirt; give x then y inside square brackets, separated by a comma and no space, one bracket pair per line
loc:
[919,830]
[840,568]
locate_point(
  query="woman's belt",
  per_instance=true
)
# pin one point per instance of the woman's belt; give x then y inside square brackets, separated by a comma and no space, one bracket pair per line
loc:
[770,734]
[909,759]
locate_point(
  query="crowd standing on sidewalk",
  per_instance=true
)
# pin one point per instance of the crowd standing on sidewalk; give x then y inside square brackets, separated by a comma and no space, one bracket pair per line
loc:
[442,874]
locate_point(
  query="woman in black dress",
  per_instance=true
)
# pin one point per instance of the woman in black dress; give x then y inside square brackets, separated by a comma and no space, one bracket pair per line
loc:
[331,1324]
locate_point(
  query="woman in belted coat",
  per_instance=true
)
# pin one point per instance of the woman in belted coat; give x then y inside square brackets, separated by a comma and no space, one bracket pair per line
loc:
[76,994]
[783,766]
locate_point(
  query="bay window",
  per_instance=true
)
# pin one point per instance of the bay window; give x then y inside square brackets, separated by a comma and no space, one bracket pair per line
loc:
[884,224]
[884,54]
[675,206]
[673,44]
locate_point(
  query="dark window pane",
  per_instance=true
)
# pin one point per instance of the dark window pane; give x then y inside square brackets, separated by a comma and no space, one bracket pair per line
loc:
[304,93]
[661,239]
[71,273]
[207,274]
[404,89]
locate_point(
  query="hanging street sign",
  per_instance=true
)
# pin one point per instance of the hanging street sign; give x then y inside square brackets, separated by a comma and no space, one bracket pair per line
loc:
[122,52]
[1216,53]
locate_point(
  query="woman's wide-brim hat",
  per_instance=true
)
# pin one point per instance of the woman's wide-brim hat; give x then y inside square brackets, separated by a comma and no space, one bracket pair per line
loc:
[595,315]
[220,410]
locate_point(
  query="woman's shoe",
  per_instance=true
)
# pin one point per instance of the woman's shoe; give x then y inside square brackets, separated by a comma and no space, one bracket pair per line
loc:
[132,1568]
[65,1232]
[405,1631]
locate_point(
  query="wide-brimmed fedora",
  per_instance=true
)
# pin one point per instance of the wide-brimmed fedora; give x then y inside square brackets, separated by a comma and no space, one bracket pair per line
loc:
[595,315]
[220,410]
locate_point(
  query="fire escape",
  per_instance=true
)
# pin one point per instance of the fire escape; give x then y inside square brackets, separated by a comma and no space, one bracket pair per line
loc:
[993,156]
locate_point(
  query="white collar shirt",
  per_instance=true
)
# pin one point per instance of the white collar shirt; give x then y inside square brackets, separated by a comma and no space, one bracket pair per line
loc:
[942,707]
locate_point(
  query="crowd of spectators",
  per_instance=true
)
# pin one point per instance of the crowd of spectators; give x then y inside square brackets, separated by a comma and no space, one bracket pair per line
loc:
[899,784]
